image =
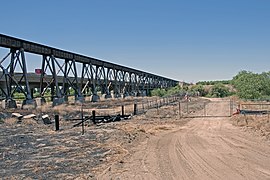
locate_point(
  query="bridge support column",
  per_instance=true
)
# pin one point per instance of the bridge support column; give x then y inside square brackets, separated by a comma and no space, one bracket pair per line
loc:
[124,94]
[58,101]
[40,101]
[115,93]
[29,102]
[95,98]
[9,103]
[107,95]
[12,85]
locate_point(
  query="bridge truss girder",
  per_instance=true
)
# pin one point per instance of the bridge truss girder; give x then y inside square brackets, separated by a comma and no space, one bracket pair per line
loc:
[96,75]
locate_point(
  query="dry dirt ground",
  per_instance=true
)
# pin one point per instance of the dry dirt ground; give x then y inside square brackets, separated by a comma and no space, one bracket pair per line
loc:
[204,148]
[155,145]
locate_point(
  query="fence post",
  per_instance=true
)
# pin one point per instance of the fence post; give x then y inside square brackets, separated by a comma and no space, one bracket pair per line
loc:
[180,113]
[163,103]
[82,120]
[187,107]
[204,105]
[56,117]
[123,111]
[157,108]
[135,109]
[94,116]
[231,107]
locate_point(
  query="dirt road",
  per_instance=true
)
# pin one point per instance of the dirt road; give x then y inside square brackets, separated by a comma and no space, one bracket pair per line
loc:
[205,148]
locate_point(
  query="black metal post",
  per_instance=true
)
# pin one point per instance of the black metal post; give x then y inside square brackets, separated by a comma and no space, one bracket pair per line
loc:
[135,109]
[52,92]
[32,92]
[56,117]
[123,111]
[94,116]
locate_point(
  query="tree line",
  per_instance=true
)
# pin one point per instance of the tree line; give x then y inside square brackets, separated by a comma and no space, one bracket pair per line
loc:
[245,85]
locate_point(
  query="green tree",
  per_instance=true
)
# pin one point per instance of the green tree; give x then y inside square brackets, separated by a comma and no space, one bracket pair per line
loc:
[220,90]
[199,88]
[174,90]
[252,85]
[158,92]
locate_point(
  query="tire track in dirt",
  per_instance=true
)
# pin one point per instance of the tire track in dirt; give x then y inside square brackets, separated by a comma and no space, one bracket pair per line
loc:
[205,148]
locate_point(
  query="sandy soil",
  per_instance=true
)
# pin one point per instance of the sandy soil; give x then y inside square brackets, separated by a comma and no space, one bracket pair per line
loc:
[204,148]
[158,144]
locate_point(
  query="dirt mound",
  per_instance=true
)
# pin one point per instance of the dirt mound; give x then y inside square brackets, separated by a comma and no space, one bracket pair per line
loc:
[260,124]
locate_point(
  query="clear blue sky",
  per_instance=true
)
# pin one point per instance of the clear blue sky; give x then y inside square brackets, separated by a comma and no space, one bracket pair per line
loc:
[189,40]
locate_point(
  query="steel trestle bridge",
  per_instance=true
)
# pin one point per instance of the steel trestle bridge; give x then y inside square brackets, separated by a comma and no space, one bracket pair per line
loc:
[59,72]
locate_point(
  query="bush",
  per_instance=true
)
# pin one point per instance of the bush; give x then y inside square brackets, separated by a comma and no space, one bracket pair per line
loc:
[170,91]
[220,90]
[174,90]
[252,85]
[199,88]
[158,92]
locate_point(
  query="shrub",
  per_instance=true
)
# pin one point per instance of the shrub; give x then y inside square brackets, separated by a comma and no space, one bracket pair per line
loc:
[252,85]
[158,92]
[220,90]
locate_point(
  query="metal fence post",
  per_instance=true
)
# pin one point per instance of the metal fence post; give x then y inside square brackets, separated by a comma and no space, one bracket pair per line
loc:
[123,111]
[135,109]
[56,122]
[231,107]
[157,108]
[204,107]
[180,113]
[187,107]
[82,120]
[94,116]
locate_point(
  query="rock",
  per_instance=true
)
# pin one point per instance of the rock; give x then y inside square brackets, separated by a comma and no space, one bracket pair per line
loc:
[30,116]
[46,119]
[3,115]
[29,104]
[17,115]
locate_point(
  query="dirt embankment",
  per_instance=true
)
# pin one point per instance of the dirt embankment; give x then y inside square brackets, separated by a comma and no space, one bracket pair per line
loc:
[258,125]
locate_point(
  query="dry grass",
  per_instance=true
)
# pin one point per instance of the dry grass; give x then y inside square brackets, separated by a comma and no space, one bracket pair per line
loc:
[11,121]
[44,108]
[159,128]
[29,122]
